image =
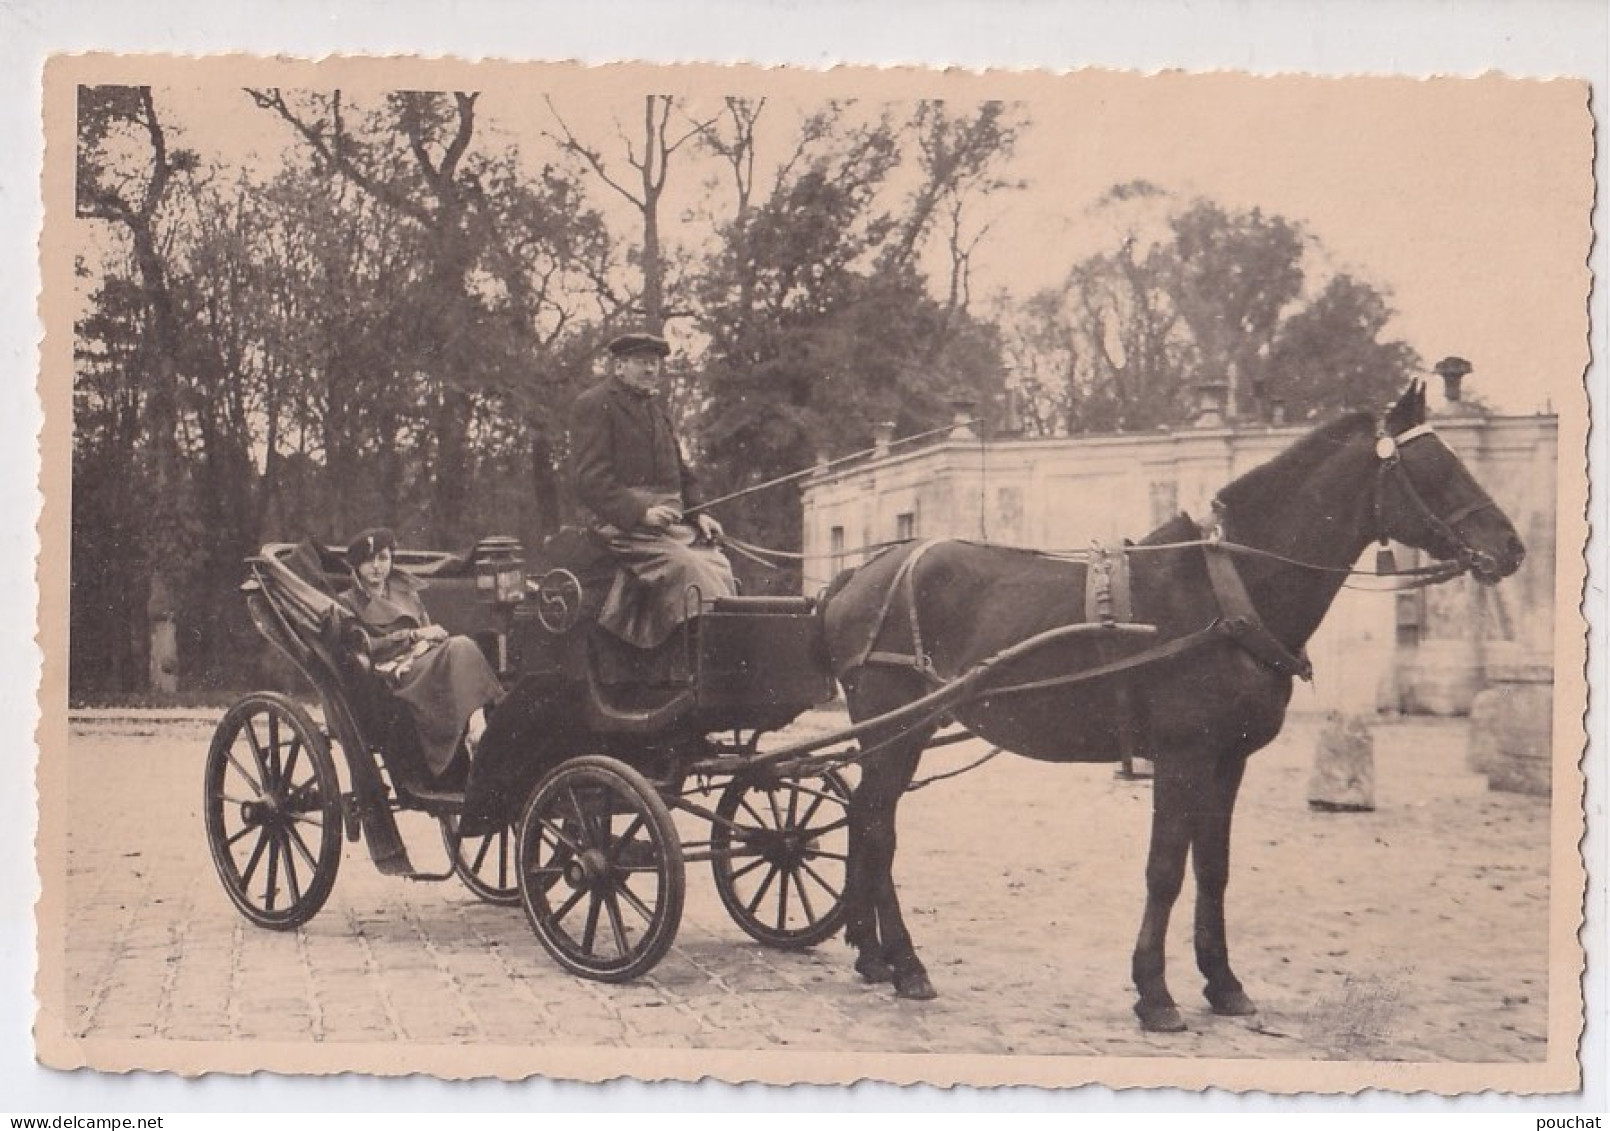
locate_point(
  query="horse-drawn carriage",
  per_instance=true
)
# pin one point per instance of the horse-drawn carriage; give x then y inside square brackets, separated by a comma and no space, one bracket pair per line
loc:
[578,774]
[1181,648]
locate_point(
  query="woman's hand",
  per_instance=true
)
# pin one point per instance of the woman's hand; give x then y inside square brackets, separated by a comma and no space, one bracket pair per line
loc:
[661,515]
[431,633]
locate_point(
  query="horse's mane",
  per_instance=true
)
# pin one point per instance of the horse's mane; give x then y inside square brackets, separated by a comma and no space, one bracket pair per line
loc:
[1296,463]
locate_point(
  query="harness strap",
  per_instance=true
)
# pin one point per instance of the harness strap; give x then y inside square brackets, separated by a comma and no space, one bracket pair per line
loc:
[1241,620]
[1151,655]
[902,583]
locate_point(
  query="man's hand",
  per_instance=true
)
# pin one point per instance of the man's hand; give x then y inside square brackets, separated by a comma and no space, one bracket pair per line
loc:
[660,515]
[708,527]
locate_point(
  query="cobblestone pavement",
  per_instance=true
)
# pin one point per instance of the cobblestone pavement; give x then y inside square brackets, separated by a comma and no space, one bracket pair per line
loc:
[1417,932]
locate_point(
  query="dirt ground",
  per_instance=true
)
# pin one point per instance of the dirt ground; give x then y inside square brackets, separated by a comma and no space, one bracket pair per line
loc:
[1417,932]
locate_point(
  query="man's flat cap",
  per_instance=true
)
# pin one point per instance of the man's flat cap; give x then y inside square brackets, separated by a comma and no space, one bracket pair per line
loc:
[639,342]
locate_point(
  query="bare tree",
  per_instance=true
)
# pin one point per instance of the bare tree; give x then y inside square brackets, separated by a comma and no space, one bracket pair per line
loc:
[649,157]
[126,169]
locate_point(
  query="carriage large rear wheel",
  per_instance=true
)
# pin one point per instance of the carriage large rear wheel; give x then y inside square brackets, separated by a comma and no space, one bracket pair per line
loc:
[781,849]
[486,863]
[600,869]
[273,811]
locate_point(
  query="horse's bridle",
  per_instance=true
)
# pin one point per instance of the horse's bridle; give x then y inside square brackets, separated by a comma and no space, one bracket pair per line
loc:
[1388,452]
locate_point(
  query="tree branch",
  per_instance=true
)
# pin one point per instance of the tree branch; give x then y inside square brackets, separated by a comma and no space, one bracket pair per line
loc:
[336,156]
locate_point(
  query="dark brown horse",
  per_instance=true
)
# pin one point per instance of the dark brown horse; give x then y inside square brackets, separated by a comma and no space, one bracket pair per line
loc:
[1213,684]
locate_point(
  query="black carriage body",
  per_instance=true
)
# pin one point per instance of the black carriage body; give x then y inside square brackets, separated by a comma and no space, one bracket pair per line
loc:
[587,727]
[745,664]
[758,663]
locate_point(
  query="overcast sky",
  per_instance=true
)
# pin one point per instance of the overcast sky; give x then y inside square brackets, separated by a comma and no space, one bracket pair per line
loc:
[1468,200]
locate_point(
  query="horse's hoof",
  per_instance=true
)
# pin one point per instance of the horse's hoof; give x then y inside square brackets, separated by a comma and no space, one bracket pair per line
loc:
[1232,1003]
[1160,1018]
[915,987]
[874,969]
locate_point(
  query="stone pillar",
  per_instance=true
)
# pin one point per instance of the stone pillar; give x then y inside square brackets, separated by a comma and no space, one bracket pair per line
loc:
[882,437]
[1343,779]
[1212,404]
[1512,728]
[162,670]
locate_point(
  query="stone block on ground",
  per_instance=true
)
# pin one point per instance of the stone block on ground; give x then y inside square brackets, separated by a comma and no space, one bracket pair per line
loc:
[1343,778]
[1511,730]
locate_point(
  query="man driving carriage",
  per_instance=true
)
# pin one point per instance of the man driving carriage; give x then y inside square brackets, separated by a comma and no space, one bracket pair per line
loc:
[633,482]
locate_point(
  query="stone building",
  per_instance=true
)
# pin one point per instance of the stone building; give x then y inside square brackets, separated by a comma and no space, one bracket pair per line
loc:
[1430,651]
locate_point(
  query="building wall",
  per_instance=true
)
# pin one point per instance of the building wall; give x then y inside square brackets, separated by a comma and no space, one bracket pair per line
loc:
[1429,651]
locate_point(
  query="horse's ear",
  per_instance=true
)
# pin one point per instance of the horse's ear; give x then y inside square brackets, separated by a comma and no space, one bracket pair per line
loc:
[1410,411]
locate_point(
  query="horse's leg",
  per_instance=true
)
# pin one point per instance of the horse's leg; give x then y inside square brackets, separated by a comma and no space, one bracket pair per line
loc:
[860,899]
[1210,858]
[873,925]
[884,779]
[1177,778]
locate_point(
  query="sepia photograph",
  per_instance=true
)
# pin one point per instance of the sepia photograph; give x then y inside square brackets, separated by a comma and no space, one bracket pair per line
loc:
[677,571]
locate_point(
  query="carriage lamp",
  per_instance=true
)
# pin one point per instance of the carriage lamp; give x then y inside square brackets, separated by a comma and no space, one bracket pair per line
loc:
[500,571]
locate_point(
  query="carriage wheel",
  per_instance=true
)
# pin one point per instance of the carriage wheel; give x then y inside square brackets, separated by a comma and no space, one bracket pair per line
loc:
[601,873]
[484,863]
[781,849]
[273,811]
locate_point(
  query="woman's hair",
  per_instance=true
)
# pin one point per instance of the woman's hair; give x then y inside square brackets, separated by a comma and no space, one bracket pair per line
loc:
[368,544]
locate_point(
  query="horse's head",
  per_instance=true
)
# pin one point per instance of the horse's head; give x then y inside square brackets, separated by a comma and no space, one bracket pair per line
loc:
[1425,497]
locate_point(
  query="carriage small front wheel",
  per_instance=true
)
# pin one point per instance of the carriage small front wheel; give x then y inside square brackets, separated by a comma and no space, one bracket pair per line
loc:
[485,863]
[600,869]
[272,806]
[780,850]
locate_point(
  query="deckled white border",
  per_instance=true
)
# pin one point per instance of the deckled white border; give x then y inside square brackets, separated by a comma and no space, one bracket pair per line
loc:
[1537,38]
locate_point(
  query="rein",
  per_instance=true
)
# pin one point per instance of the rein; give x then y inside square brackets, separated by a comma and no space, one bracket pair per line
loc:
[1388,452]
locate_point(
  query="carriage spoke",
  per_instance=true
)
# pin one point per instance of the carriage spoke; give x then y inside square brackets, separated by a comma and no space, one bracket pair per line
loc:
[480,857]
[782,899]
[589,934]
[793,810]
[276,769]
[757,862]
[617,926]
[264,777]
[805,904]
[637,903]
[289,771]
[831,827]
[588,831]
[503,857]
[817,800]
[805,867]
[568,905]
[760,820]
[624,839]
[257,787]
[560,839]
[760,892]
[256,858]
[273,872]
[292,836]
[245,831]
[290,868]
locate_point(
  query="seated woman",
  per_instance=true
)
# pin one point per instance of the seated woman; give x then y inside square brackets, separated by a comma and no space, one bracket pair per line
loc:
[445,680]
